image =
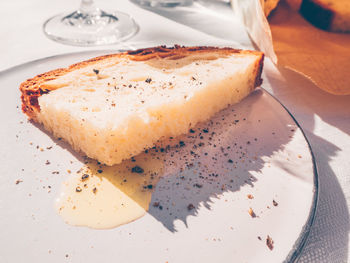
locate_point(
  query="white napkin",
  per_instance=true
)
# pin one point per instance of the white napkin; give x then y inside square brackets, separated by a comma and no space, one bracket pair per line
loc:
[252,15]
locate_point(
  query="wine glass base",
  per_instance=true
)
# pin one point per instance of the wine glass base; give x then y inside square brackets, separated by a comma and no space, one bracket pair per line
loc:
[163,3]
[102,28]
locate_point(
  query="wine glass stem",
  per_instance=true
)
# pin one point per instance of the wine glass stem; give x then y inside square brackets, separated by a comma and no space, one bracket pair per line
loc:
[87,7]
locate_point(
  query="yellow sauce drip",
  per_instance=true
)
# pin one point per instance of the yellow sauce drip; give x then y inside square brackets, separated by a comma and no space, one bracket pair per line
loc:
[104,197]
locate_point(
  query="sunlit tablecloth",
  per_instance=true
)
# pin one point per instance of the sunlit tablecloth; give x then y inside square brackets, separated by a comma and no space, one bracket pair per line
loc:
[325,118]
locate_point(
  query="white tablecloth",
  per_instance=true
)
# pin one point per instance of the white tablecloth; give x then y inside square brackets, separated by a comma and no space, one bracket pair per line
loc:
[324,118]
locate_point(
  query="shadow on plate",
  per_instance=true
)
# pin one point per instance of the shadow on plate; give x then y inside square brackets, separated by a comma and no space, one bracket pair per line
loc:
[218,156]
[221,156]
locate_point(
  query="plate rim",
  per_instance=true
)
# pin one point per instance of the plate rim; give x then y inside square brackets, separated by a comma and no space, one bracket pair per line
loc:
[300,243]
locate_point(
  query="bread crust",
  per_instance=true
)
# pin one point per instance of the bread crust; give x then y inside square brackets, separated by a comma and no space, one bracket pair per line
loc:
[324,16]
[33,88]
[317,14]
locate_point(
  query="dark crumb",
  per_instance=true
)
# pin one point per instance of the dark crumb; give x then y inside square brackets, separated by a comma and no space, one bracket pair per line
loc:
[269,242]
[205,130]
[192,131]
[137,169]
[230,161]
[156,204]
[148,80]
[181,143]
[55,172]
[250,196]
[274,203]
[78,189]
[66,255]
[198,185]
[94,190]
[251,213]
[150,186]
[190,207]
[100,171]
[49,148]
[133,159]
[47,162]
[84,177]
[193,78]
[19,181]
[259,237]
[96,71]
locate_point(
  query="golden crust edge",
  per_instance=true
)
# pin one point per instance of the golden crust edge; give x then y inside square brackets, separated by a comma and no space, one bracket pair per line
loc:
[31,88]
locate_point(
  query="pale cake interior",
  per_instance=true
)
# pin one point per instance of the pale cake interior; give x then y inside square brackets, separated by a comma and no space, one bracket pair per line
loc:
[116,109]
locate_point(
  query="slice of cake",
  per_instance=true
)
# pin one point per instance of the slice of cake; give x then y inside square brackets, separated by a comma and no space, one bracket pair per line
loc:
[114,107]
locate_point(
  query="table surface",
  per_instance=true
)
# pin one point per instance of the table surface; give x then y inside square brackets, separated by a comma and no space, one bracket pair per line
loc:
[325,118]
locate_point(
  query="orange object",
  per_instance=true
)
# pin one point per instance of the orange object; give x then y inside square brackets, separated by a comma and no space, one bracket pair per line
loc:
[322,56]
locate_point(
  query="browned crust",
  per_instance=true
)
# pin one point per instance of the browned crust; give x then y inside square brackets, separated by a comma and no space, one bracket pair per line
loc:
[324,15]
[259,68]
[33,88]
[317,13]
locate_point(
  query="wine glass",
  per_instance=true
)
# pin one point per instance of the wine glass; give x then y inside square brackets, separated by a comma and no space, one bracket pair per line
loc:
[90,26]
[163,3]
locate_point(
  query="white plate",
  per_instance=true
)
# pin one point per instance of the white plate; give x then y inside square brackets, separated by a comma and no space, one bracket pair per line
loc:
[273,162]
